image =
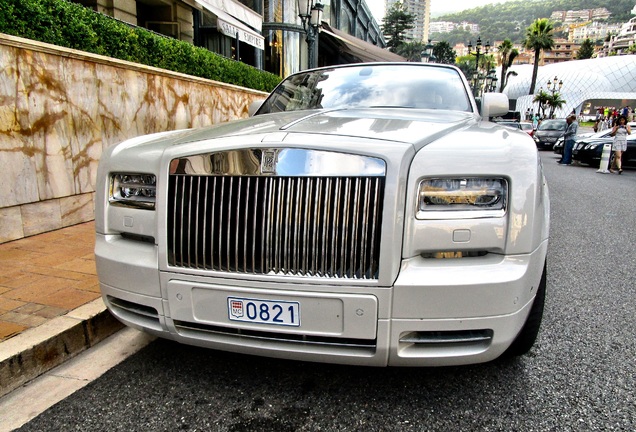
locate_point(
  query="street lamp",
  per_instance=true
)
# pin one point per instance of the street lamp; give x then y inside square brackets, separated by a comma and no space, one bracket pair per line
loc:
[427,54]
[311,17]
[491,81]
[552,85]
[477,53]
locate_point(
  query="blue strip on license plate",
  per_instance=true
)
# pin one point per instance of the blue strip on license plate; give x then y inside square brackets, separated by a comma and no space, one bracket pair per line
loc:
[281,313]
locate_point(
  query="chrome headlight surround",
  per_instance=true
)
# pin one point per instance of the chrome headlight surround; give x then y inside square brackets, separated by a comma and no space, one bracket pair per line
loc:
[133,190]
[462,198]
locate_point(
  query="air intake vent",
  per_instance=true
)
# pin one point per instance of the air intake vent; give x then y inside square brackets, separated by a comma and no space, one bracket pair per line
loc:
[189,329]
[460,337]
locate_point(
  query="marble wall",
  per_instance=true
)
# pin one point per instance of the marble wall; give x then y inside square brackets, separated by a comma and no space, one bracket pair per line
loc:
[59,108]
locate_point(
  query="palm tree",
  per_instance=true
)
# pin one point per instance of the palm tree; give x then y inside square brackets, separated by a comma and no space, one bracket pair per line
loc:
[542,97]
[508,75]
[411,51]
[507,54]
[555,102]
[538,38]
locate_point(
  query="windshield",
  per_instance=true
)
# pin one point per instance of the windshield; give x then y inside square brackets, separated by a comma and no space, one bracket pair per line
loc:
[364,86]
[553,125]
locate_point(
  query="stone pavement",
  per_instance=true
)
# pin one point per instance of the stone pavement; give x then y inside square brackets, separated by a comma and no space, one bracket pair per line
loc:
[50,305]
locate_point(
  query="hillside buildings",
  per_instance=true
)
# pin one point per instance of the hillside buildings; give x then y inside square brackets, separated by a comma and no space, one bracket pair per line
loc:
[622,42]
[596,31]
[563,51]
[572,16]
[448,26]
[577,26]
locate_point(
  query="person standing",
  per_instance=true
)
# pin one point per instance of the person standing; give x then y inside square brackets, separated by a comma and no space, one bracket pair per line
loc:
[620,131]
[568,139]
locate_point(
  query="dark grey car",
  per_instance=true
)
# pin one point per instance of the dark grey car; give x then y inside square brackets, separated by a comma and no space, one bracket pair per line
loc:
[548,132]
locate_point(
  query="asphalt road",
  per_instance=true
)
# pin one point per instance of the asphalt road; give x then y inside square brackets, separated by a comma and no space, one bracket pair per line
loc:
[581,375]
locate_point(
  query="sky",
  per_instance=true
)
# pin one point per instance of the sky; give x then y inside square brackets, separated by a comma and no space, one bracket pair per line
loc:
[438,7]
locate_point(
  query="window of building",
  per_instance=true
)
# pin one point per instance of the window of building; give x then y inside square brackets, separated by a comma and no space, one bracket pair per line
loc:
[158,18]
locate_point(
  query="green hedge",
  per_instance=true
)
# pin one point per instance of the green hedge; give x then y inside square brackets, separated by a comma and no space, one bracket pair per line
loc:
[71,25]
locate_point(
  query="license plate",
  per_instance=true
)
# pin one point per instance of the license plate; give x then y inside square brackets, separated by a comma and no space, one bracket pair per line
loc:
[282,313]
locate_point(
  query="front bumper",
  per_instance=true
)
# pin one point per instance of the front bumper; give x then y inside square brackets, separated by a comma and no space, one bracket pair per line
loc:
[438,312]
[586,157]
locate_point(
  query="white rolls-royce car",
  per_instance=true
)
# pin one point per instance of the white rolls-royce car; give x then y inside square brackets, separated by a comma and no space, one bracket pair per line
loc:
[366,214]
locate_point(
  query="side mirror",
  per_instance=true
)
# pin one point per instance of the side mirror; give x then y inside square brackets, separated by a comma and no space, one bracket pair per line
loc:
[494,104]
[254,106]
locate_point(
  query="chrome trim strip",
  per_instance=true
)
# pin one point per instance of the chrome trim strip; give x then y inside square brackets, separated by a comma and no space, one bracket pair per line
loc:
[290,162]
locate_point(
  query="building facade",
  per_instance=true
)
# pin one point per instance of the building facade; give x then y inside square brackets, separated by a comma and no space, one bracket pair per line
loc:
[595,31]
[622,42]
[573,16]
[562,51]
[266,34]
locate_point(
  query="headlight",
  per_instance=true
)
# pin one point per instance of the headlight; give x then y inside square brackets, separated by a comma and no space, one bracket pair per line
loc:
[475,197]
[592,146]
[133,190]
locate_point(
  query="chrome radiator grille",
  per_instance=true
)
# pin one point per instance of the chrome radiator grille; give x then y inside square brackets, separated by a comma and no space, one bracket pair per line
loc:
[307,226]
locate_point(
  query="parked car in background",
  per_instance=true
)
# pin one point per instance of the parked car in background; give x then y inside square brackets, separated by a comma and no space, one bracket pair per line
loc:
[590,150]
[527,128]
[366,214]
[548,132]
[558,146]
[524,126]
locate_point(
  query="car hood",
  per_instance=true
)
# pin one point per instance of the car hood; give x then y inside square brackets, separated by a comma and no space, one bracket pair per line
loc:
[416,127]
[550,132]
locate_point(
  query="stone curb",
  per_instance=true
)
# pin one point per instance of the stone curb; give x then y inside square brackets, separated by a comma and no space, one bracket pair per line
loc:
[38,350]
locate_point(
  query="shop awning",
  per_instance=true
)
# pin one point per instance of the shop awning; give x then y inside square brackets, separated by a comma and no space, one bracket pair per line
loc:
[230,26]
[359,49]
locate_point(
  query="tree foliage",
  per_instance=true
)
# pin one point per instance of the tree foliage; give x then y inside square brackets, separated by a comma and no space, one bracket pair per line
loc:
[542,98]
[555,102]
[395,25]
[586,51]
[538,38]
[466,64]
[444,53]
[411,51]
